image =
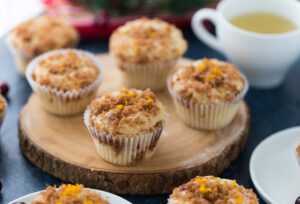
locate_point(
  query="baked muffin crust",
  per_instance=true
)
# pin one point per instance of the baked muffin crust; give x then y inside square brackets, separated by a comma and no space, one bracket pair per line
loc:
[209,189]
[41,34]
[127,112]
[69,194]
[66,70]
[147,40]
[2,104]
[208,81]
[2,107]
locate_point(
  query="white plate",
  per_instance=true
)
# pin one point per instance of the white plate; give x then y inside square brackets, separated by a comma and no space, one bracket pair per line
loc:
[113,199]
[274,167]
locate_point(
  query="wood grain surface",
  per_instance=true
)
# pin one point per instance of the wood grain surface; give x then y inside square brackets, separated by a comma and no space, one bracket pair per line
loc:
[63,147]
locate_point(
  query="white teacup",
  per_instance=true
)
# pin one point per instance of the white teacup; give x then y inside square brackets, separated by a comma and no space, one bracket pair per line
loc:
[264,58]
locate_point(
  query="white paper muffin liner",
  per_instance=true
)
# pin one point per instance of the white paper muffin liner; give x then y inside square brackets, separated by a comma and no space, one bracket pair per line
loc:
[172,201]
[207,116]
[124,150]
[64,103]
[21,58]
[150,75]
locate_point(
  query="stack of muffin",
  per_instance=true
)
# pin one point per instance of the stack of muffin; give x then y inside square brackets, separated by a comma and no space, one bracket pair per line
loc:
[126,124]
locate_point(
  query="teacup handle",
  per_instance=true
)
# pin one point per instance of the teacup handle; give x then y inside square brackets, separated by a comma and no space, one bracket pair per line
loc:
[201,32]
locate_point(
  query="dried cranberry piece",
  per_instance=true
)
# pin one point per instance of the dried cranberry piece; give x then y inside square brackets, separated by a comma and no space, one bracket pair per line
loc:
[4,88]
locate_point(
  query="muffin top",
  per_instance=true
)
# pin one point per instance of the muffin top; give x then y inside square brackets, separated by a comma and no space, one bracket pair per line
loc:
[147,40]
[208,81]
[2,106]
[65,70]
[41,34]
[211,189]
[69,194]
[127,112]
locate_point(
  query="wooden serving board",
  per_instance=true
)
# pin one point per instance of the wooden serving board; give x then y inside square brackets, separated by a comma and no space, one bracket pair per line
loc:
[63,147]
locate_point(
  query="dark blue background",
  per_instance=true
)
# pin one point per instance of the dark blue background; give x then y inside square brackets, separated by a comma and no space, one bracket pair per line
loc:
[271,111]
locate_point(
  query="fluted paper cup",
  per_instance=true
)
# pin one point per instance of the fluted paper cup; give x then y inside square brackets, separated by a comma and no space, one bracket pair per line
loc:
[64,103]
[20,57]
[149,75]
[210,116]
[124,149]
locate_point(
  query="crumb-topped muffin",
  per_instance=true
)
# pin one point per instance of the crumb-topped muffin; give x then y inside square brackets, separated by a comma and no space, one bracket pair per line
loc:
[146,51]
[210,189]
[3,108]
[69,194]
[39,35]
[147,40]
[67,80]
[207,93]
[129,122]
[66,71]
[208,81]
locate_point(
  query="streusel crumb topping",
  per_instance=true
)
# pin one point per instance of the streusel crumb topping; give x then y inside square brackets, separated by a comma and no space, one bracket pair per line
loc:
[209,189]
[69,194]
[208,81]
[127,112]
[65,71]
[147,40]
[41,34]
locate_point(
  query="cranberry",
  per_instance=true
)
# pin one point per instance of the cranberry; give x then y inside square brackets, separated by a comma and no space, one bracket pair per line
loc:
[297,201]
[4,88]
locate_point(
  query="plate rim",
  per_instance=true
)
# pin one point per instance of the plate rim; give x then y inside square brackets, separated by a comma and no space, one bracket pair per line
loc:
[267,140]
[96,190]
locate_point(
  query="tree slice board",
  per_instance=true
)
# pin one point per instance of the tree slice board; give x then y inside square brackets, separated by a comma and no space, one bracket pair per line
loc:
[62,147]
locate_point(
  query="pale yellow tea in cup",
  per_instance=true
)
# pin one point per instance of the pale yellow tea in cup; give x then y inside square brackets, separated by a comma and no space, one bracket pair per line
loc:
[263,23]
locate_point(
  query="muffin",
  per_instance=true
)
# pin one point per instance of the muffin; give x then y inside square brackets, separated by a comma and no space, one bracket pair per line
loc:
[126,125]
[3,108]
[65,80]
[37,36]
[207,93]
[146,51]
[210,189]
[69,194]
[298,153]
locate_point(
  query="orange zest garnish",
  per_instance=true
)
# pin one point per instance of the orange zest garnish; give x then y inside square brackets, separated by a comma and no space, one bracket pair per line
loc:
[149,100]
[72,190]
[120,107]
[239,199]
[123,89]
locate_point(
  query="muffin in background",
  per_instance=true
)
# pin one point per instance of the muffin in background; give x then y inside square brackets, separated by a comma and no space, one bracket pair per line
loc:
[210,189]
[3,108]
[37,36]
[146,51]
[298,153]
[65,80]
[126,125]
[207,93]
[69,194]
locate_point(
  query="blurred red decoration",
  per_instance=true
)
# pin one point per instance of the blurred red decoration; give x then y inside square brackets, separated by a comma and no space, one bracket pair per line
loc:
[92,23]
